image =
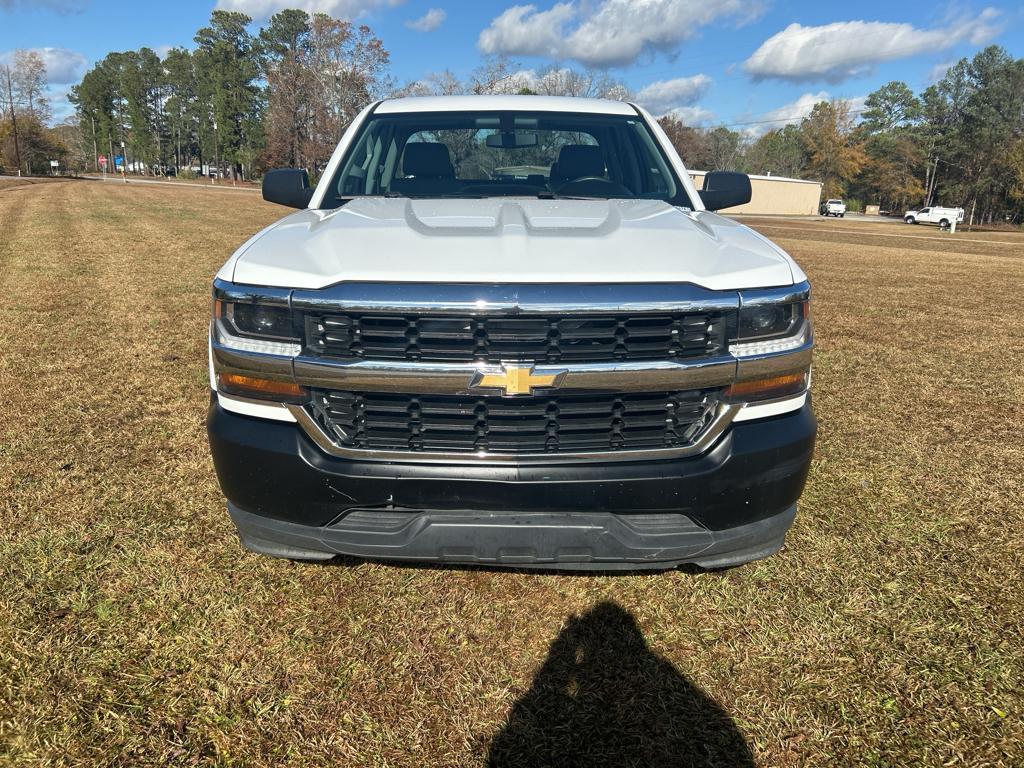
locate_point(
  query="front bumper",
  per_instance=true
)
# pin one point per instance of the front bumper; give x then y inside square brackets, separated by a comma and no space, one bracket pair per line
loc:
[727,506]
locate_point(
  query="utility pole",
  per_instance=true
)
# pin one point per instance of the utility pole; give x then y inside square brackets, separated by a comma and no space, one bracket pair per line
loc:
[95,148]
[931,184]
[216,151]
[14,118]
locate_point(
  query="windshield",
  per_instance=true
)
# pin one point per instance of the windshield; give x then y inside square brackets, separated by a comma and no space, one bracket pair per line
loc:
[505,154]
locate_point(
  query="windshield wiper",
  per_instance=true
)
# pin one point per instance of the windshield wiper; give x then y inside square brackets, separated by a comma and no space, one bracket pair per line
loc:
[545,195]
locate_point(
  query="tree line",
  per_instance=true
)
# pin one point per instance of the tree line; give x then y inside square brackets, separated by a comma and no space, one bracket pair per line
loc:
[237,102]
[240,102]
[959,143]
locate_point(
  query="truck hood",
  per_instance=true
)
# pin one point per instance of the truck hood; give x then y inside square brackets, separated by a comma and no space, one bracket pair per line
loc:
[509,240]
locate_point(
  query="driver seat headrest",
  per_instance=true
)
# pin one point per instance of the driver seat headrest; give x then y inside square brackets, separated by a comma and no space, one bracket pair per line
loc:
[578,160]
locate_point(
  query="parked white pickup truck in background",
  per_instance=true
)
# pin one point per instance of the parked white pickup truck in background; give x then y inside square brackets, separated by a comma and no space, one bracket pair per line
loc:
[833,208]
[934,215]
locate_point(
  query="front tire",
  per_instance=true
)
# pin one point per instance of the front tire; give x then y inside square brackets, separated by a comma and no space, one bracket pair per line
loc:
[909,220]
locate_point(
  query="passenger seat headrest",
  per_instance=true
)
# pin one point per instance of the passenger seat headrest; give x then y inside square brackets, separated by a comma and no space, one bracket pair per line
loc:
[427,160]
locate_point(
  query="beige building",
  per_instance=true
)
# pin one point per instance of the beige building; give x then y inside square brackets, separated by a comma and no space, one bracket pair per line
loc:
[775,194]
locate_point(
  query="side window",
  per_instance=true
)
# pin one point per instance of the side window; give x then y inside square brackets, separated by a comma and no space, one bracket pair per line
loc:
[654,174]
[371,160]
[354,175]
[390,169]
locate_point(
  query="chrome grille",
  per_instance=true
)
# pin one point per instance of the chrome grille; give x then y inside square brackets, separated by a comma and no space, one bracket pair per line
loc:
[532,338]
[534,424]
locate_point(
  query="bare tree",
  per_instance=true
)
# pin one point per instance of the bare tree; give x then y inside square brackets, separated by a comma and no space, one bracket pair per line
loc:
[29,80]
[7,99]
[499,75]
[587,83]
[349,67]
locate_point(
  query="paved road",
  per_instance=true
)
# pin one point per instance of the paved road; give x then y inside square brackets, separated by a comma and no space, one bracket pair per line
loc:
[853,218]
[862,226]
[221,186]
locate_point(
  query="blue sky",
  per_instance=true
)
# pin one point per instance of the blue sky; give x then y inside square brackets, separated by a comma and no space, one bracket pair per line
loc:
[747,64]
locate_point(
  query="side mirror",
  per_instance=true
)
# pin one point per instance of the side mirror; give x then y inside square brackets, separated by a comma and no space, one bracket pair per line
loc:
[287,186]
[724,189]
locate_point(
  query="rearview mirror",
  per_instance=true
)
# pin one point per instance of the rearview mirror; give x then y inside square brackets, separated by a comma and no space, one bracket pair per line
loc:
[287,186]
[511,140]
[725,189]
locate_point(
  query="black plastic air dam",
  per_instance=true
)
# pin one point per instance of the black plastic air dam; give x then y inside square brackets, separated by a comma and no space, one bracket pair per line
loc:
[270,471]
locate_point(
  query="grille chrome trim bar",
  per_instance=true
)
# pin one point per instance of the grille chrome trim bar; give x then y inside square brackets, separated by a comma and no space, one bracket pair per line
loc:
[458,378]
[723,417]
[509,299]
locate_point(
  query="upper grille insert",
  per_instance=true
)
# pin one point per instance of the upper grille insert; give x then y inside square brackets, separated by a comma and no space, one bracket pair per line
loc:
[525,338]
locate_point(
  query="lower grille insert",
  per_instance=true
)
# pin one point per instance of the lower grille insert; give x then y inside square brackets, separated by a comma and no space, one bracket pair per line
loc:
[535,424]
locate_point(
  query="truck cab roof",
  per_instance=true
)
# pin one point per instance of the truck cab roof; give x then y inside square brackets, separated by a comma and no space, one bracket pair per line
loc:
[504,102]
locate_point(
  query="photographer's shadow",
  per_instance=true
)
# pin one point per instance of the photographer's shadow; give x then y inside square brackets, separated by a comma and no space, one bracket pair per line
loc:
[603,698]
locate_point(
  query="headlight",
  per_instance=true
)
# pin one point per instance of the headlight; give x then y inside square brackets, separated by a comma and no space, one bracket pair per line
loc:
[253,327]
[764,329]
[262,321]
[258,323]
[771,339]
[770,321]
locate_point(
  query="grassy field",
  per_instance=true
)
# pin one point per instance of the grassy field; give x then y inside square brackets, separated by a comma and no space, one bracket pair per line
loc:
[133,630]
[10,182]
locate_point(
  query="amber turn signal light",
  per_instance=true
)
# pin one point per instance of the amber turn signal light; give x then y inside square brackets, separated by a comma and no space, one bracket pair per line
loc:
[769,388]
[262,389]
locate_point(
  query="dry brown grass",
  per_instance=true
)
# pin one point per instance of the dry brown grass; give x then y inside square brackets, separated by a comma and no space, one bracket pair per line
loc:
[10,182]
[135,632]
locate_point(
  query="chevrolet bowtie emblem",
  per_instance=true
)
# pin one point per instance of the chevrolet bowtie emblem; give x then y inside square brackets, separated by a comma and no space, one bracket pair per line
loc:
[516,379]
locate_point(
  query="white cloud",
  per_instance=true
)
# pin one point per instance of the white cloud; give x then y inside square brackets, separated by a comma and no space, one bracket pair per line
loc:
[793,112]
[63,66]
[339,9]
[844,49]
[60,6]
[694,115]
[939,71]
[856,104]
[162,51]
[664,96]
[429,21]
[608,33]
[525,31]
[60,107]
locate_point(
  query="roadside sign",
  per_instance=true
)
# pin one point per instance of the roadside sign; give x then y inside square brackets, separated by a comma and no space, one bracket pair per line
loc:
[55,163]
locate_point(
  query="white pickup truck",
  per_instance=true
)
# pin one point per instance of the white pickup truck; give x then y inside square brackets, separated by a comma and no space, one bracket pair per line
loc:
[509,330]
[833,208]
[934,215]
